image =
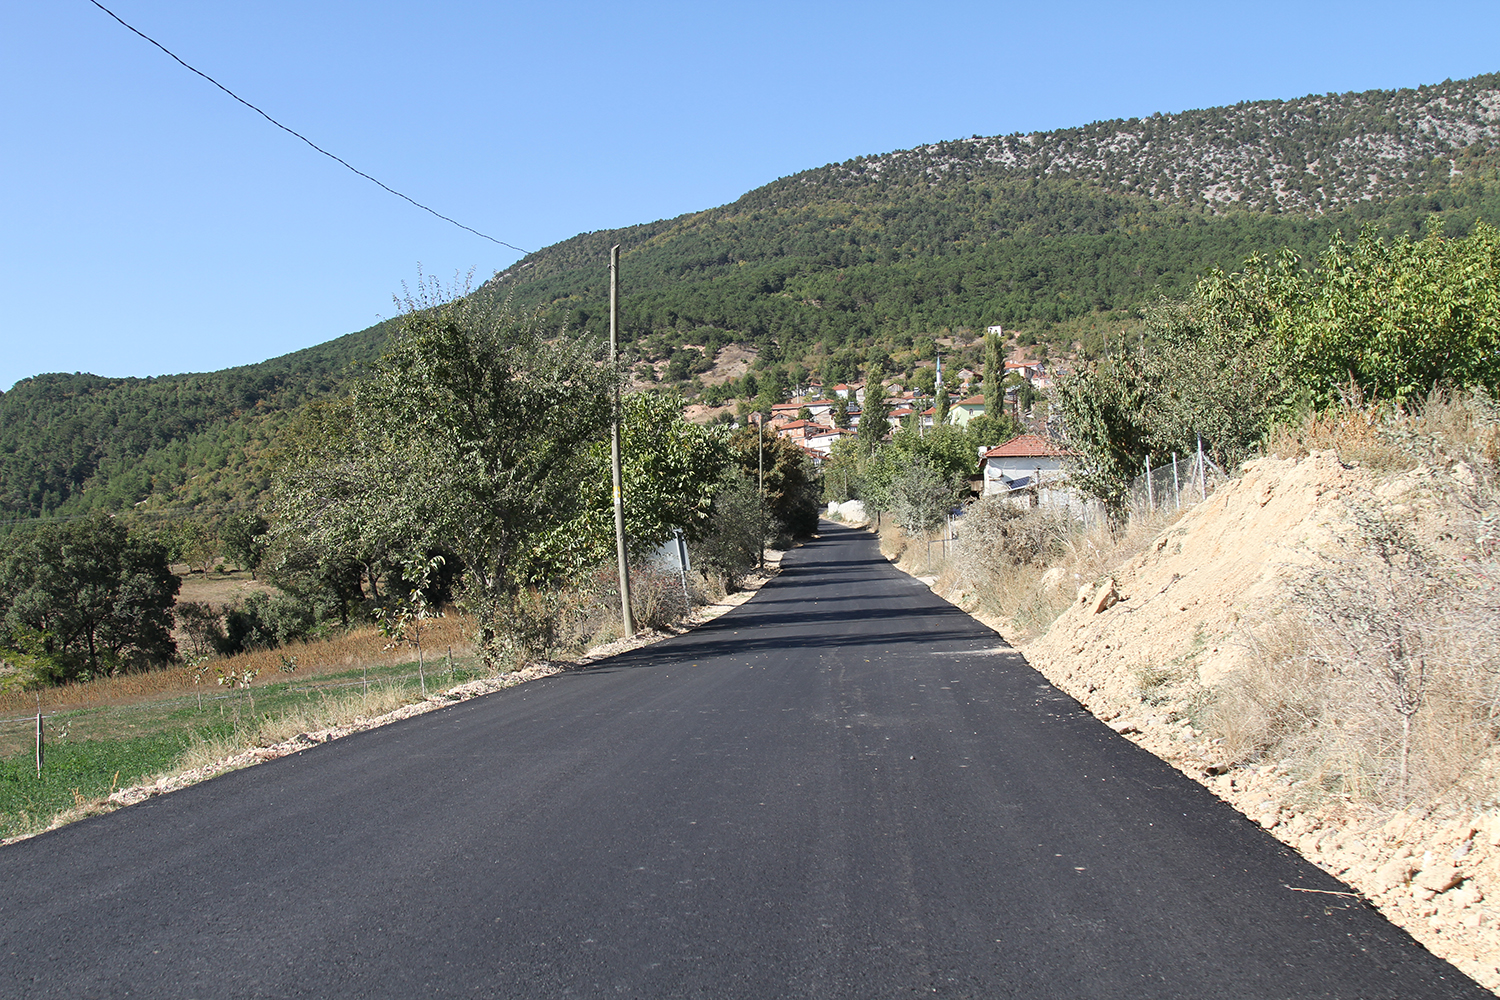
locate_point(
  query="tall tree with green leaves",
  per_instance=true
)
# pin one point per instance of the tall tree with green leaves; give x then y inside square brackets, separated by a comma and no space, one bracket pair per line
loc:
[874,412]
[994,374]
[470,435]
[88,598]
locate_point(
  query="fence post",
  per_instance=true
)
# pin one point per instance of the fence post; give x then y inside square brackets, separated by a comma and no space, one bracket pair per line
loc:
[1150,490]
[1202,479]
[1176,486]
[40,753]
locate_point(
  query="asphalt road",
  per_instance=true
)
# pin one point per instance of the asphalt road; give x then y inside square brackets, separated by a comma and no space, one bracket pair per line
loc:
[844,788]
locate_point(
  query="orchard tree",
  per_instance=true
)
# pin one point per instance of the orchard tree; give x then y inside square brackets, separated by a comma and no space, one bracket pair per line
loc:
[89,597]
[471,435]
[244,537]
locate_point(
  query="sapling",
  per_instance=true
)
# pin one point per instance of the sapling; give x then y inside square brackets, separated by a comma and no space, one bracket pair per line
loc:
[403,624]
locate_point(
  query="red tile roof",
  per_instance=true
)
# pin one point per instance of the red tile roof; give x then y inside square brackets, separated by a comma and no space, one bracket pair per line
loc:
[1028,446]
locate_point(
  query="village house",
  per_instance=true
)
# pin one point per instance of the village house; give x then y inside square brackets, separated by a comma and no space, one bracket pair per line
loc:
[1027,369]
[821,441]
[961,412]
[819,407]
[1026,462]
[798,430]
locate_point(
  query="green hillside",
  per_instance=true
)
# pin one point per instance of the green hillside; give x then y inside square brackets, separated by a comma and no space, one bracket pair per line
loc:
[71,443]
[1052,233]
[1033,230]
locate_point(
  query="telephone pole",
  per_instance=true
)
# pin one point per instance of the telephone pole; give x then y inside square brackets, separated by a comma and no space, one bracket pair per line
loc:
[614,443]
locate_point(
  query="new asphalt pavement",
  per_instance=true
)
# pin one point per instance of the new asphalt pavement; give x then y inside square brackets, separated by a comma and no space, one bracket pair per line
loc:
[845,788]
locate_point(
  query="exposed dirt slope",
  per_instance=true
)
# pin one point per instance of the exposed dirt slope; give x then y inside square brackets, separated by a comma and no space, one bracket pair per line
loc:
[1150,647]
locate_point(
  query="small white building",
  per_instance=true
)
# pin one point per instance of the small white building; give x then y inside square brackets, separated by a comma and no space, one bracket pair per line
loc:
[1026,462]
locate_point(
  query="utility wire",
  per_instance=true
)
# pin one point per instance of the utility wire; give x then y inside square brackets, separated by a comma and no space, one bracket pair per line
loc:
[299,135]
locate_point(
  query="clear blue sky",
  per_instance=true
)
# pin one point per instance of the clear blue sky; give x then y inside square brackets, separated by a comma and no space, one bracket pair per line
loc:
[153,226]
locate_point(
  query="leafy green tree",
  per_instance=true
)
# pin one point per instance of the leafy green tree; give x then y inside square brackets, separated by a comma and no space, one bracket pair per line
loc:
[1103,410]
[245,538]
[920,495]
[841,413]
[791,484]
[842,470]
[990,430]
[732,540]
[923,381]
[97,598]
[671,470]
[470,435]
[1395,318]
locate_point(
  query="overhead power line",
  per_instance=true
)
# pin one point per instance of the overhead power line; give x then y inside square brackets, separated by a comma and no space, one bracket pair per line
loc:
[299,135]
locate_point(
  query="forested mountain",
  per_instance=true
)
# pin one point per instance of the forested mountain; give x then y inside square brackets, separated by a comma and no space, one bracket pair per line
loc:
[1036,229]
[1042,232]
[76,442]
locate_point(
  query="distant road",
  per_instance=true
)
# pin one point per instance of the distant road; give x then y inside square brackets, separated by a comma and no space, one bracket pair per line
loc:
[844,788]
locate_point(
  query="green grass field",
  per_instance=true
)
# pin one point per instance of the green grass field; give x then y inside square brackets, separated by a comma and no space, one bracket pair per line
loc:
[91,751]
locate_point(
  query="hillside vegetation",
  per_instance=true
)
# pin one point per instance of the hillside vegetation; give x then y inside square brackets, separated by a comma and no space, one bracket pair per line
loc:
[1065,234]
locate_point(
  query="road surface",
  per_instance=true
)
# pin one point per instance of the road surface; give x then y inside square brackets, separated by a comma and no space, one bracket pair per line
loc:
[844,788]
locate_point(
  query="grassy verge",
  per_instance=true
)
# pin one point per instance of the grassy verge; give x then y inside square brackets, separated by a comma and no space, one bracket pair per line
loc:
[110,734]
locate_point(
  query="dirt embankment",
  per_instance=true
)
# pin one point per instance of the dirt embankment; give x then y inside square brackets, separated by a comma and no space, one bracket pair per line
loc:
[1174,650]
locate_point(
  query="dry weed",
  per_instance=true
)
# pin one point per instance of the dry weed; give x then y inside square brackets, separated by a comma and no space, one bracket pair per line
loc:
[1383,680]
[1026,564]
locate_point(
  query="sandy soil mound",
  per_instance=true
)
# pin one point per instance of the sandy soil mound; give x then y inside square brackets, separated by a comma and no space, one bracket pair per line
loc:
[1149,643]
[1180,605]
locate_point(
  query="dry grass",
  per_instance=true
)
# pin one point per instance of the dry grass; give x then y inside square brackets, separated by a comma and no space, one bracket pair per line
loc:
[351,650]
[332,710]
[1444,427]
[1381,681]
[1025,565]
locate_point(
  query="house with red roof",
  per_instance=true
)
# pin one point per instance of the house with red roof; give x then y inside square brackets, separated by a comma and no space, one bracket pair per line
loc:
[798,430]
[1027,461]
[966,409]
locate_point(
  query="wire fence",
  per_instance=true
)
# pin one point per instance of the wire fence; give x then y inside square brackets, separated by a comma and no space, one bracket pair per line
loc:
[1174,483]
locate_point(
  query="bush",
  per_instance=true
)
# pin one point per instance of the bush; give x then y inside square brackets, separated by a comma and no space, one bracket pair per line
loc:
[262,622]
[997,535]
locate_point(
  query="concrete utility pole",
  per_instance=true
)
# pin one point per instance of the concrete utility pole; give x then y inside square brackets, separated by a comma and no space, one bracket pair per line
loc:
[760,462]
[614,444]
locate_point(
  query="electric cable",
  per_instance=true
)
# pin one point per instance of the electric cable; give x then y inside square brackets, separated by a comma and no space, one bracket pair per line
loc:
[299,135]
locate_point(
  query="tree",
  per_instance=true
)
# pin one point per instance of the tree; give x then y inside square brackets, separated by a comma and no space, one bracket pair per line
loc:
[732,540]
[470,435]
[1397,318]
[920,495]
[841,413]
[994,374]
[97,598]
[791,486]
[873,422]
[1102,409]
[244,537]
[671,471]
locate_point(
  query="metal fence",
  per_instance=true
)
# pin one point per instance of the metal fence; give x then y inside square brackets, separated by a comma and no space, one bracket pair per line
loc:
[1174,482]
